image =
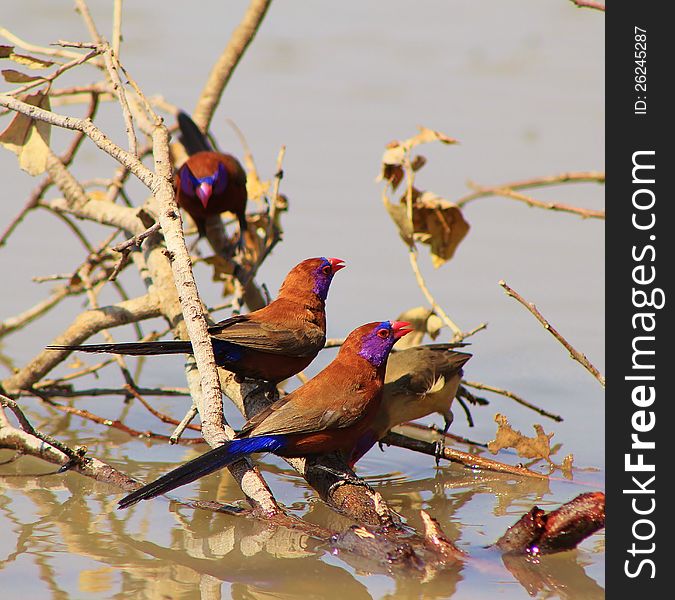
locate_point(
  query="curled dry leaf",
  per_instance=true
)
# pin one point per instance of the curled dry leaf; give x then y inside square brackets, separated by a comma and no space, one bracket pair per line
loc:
[12,76]
[423,321]
[437,223]
[29,138]
[255,187]
[507,437]
[394,157]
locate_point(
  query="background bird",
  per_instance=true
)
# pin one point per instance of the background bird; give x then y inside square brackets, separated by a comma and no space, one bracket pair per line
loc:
[273,343]
[419,381]
[209,182]
[330,412]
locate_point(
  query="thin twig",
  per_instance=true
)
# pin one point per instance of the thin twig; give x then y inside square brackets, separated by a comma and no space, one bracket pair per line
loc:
[575,354]
[130,161]
[227,62]
[128,246]
[495,390]
[458,336]
[52,76]
[561,178]
[114,424]
[585,213]
[471,461]
[178,432]
[153,411]
[45,383]
[66,159]
[117,27]
[24,45]
[55,390]
[28,428]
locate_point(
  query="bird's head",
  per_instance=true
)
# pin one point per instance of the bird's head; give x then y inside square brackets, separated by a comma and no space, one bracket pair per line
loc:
[374,341]
[202,176]
[313,275]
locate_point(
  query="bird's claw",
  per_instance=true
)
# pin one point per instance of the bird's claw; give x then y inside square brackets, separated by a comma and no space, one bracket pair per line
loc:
[344,477]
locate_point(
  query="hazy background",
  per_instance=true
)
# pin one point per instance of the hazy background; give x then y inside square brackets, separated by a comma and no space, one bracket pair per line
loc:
[519,83]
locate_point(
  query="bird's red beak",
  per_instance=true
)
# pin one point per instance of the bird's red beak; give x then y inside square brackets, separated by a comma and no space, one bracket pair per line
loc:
[337,264]
[204,193]
[400,328]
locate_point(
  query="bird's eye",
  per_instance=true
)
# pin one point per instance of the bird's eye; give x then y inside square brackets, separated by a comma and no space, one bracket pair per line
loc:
[327,270]
[383,333]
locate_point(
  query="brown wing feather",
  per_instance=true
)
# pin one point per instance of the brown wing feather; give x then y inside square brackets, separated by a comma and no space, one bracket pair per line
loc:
[307,409]
[415,370]
[304,340]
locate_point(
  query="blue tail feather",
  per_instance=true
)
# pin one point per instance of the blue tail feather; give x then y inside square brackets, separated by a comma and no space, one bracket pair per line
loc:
[203,465]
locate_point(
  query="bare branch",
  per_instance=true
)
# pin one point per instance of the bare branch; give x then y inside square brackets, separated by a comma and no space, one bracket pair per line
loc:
[84,326]
[585,213]
[502,392]
[567,177]
[227,62]
[127,159]
[575,354]
[471,461]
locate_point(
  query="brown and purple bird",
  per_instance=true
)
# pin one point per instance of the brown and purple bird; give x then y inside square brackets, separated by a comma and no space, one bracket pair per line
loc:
[209,182]
[330,412]
[273,343]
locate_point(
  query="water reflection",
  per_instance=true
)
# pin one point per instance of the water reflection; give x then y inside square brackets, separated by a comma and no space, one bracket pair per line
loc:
[151,553]
[335,82]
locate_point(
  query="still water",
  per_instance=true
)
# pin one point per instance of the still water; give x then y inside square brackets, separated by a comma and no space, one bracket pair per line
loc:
[520,84]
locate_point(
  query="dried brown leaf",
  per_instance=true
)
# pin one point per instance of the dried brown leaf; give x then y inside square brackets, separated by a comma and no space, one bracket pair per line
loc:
[255,187]
[427,135]
[439,224]
[394,157]
[30,62]
[12,76]
[29,138]
[507,437]
[399,215]
[423,321]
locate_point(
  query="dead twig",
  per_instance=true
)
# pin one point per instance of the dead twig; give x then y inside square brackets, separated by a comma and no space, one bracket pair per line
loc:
[470,461]
[585,213]
[112,423]
[575,354]
[502,392]
[227,62]
[561,178]
[28,428]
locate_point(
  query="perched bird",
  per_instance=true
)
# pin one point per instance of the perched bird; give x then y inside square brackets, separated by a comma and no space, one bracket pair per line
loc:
[209,182]
[419,381]
[273,343]
[330,412]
